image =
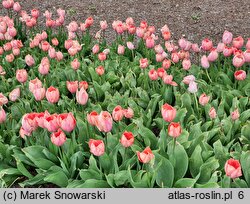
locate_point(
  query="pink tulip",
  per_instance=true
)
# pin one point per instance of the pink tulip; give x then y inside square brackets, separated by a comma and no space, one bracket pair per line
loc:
[72,86]
[228,51]
[103,25]
[128,113]
[212,113]
[39,93]
[34,84]
[24,133]
[220,47]
[96,147]
[93,118]
[233,168]
[238,60]
[153,74]
[248,44]
[120,50]
[150,43]
[166,63]
[29,60]
[52,95]
[16,7]
[75,64]
[45,46]
[175,57]
[82,96]
[105,122]
[117,113]
[89,21]
[227,37]
[186,64]
[168,79]
[58,138]
[95,49]
[143,63]
[235,114]
[2,115]
[29,123]
[174,129]
[206,44]
[100,70]
[213,55]
[188,79]
[168,112]
[21,75]
[204,62]
[240,75]
[72,27]
[192,87]
[102,56]
[8,4]
[83,84]
[247,55]
[44,66]
[203,99]
[130,45]
[51,123]
[55,42]
[238,42]
[161,72]
[195,48]
[145,156]
[66,121]
[14,94]
[3,99]
[127,139]
[10,58]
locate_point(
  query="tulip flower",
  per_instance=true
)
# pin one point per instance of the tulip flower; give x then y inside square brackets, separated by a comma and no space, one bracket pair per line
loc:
[233,168]
[82,96]
[117,113]
[58,138]
[96,147]
[240,75]
[127,139]
[174,129]
[2,115]
[235,114]
[66,121]
[105,122]
[168,112]
[52,94]
[145,156]
[203,99]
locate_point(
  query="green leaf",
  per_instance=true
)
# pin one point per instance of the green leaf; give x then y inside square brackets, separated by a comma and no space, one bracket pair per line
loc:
[245,163]
[23,170]
[59,178]
[149,137]
[207,185]
[121,177]
[164,171]
[185,183]
[179,160]
[86,174]
[93,183]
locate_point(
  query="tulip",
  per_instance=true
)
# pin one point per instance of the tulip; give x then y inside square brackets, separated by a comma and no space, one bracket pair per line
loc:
[168,79]
[212,113]
[175,57]
[105,122]
[150,43]
[14,94]
[117,113]
[195,48]
[238,60]
[95,49]
[247,55]
[72,86]
[3,99]
[192,87]
[100,70]
[92,118]
[52,94]
[83,84]
[45,46]
[227,37]
[35,84]
[186,64]
[24,133]
[188,79]
[51,123]
[103,25]
[168,112]
[39,93]
[29,60]
[10,58]
[96,147]
[89,21]
[174,129]
[128,113]
[16,7]
[240,75]
[127,139]
[204,62]
[166,63]
[55,42]
[143,63]
[206,44]
[2,115]
[82,96]
[35,13]
[228,51]
[66,121]
[248,44]
[233,168]
[130,45]
[102,56]
[29,123]
[40,118]
[235,114]
[203,99]
[161,72]
[153,75]
[145,156]
[72,27]
[220,47]
[213,55]
[121,49]
[238,42]
[75,64]
[58,138]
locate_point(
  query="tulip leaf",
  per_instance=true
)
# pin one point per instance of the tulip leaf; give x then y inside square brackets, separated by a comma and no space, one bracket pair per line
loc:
[245,163]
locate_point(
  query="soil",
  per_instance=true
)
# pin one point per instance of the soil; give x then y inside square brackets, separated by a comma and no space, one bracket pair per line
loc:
[196,19]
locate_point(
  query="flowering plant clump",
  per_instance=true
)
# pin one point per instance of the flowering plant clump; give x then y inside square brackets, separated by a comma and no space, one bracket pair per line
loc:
[76,111]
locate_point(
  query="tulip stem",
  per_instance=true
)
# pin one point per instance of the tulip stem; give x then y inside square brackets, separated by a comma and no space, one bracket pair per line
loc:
[174,140]
[196,103]
[208,76]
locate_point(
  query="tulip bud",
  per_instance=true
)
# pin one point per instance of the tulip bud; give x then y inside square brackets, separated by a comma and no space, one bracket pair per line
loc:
[233,168]
[174,129]
[127,139]
[145,156]
[96,147]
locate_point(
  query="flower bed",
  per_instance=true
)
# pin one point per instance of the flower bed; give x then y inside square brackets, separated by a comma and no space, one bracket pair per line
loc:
[77,111]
